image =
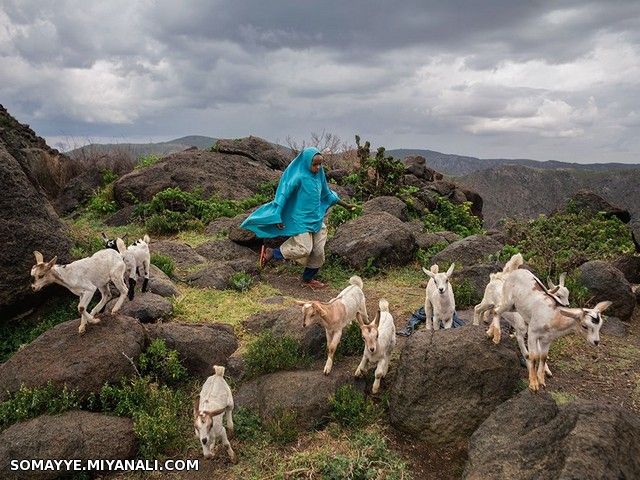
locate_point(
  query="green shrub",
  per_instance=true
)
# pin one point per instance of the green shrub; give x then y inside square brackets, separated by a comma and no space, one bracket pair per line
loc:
[13,335]
[376,175]
[340,215]
[161,363]
[465,293]
[32,402]
[448,216]
[102,203]
[147,160]
[108,176]
[350,408]
[562,242]
[505,254]
[351,342]
[241,281]
[424,255]
[164,263]
[247,425]
[282,427]
[579,295]
[268,353]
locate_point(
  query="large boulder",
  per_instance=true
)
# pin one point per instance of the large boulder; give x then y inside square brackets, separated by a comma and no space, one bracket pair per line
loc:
[606,282]
[468,251]
[223,250]
[221,226]
[377,239]
[214,275]
[288,321]
[81,362]
[146,307]
[160,283]
[416,165]
[530,437]
[588,201]
[255,148]
[391,205]
[74,435]
[305,393]
[182,254]
[200,346]
[221,174]
[477,276]
[629,265]
[78,191]
[449,381]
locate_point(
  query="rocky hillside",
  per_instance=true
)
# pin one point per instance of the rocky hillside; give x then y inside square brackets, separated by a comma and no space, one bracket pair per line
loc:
[521,191]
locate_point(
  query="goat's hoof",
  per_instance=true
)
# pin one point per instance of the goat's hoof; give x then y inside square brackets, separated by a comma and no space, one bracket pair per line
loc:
[358,373]
[233,457]
[327,370]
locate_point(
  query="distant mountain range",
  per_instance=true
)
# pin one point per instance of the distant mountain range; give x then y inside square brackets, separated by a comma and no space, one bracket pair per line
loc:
[137,149]
[456,165]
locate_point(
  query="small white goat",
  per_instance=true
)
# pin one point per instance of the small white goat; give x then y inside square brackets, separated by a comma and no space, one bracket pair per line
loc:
[137,258]
[439,300]
[379,341]
[83,277]
[335,315]
[543,320]
[215,399]
[493,290]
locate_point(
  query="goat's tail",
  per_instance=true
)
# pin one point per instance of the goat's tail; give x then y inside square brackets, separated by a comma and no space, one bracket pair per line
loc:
[122,248]
[514,263]
[218,370]
[357,281]
[146,238]
[383,305]
[434,268]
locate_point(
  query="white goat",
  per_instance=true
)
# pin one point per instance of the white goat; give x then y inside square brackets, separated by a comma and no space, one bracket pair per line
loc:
[137,258]
[493,290]
[215,399]
[82,278]
[543,320]
[335,315]
[379,340]
[439,300]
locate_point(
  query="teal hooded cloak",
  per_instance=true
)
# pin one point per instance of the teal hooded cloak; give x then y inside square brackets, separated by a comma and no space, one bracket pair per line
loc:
[301,201]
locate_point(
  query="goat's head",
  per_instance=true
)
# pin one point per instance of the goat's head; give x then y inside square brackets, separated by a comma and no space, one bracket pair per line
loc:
[560,290]
[369,332]
[441,280]
[42,272]
[312,312]
[203,421]
[112,243]
[588,320]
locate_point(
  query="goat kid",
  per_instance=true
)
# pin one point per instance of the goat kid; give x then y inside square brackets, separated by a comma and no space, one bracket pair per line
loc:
[214,401]
[83,277]
[379,341]
[542,320]
[493,290]
[137,258]
[335,315]
[439,300]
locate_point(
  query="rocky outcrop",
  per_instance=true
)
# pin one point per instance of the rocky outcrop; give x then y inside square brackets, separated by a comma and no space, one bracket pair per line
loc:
[182,255]
[449,381]
[468,251]
[605,282]
[256,149]
[73,435]
[391,205]
[530,437]
[160,283]
[590,202]
[146,307]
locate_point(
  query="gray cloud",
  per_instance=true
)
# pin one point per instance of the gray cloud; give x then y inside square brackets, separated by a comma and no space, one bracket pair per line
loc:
[539,79]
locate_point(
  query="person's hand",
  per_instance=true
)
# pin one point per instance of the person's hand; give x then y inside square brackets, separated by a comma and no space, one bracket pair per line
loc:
[280,226]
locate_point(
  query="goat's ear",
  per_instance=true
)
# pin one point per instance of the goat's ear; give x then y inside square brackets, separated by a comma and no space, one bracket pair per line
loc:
[427,272]
[563,276]
[450,271]
[376,321]
[39,257]
[52,262]
[359,319]
[213,413]
[300,302]
[550,283]
[554,289]
[572,312]
[320,309]
[602,306]
[196,407]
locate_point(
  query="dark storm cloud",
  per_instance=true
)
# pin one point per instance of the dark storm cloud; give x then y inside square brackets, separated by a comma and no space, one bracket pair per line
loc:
[501,78]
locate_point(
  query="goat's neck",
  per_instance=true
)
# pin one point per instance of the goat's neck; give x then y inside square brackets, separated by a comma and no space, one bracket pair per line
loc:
[65,276]
[562,325]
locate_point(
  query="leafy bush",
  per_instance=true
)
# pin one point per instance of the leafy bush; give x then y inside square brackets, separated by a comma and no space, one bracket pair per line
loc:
[268,353]
[241,281]
[13,335]
[161,363]
[108,176]
[579,295]
[448,216]
[164,263]
[351,342]
[336,272]
[562,242]
[505,254]
[147,160]
[424,255]
[465,293]
[247,425]
[283,427]
[173,210]
[32,402]
[350,408]
[340,215]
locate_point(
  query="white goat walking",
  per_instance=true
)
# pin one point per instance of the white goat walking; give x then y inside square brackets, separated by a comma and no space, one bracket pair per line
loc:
[137,258]
[543,320]
[215,399]
[379,341]
[493,290]
[83,277]
[336,314]
[439,299]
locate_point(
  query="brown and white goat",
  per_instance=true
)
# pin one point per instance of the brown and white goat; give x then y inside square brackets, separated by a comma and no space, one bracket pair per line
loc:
[83,277]
[214,401]
[335,315]
[379,339]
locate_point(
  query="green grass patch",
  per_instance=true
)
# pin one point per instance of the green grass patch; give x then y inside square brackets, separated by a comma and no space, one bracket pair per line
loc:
[562,398]
[164,263]
[350,408]
[241,281]
[268,353]
[351,342]
[147,160]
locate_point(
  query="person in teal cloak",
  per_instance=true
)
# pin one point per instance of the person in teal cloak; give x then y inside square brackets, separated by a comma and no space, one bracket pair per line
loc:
[297,211]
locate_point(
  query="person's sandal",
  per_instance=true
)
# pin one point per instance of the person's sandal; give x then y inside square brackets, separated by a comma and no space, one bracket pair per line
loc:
[315,284]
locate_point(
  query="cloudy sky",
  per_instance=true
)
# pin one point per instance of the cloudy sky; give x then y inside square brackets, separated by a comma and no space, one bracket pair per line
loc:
[535,79]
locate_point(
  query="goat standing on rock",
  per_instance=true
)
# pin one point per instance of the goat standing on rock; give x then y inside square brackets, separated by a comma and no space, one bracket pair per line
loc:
[137,258]
[439,302]
[83,277]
